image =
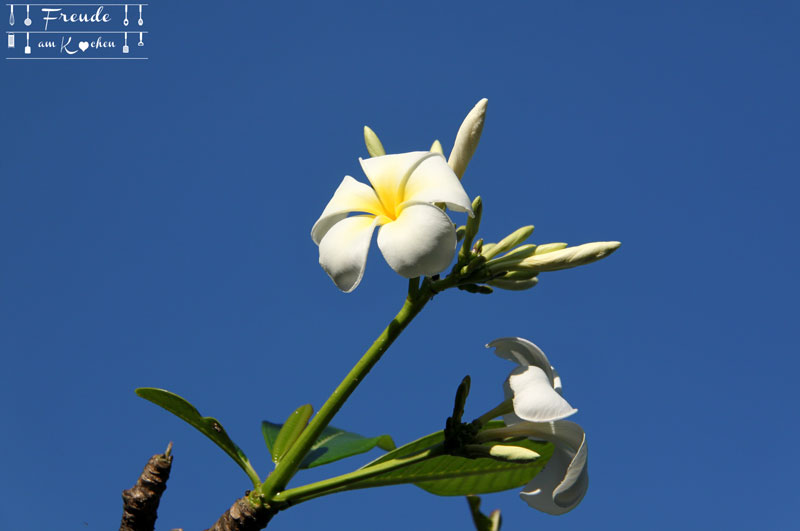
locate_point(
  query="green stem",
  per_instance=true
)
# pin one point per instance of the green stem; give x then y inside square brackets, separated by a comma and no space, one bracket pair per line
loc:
[505,407]
[350,480]
[288,466]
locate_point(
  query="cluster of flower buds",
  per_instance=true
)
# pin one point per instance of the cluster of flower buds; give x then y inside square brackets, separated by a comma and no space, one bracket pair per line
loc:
[519,268]
[511,264]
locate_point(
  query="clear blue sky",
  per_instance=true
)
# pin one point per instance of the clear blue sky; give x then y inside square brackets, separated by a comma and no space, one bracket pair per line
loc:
[154,231]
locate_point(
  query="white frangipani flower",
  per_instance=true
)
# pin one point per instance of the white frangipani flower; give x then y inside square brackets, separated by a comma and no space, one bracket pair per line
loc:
[416,237]
[539,410]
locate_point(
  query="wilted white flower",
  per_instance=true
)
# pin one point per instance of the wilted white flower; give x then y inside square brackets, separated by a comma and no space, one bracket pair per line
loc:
[539,409]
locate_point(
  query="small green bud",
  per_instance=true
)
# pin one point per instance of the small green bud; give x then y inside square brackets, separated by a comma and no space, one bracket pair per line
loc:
[473,224]
[374,146]
[461,398]
[475,288]
[514,257]
[510,241]
[513,285]
[460,233]
[476,262]
[519,275]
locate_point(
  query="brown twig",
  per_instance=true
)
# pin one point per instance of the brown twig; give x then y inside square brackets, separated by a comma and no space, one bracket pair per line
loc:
[244,516]
[140,503]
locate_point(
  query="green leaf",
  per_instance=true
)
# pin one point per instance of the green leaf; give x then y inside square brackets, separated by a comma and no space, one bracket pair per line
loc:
[481,521]
[286,435]
[208,426]
[449,475]
[333,444]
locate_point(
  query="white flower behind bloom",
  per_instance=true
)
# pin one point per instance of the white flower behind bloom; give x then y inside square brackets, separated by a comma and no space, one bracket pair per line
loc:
[416,237]
[539,410]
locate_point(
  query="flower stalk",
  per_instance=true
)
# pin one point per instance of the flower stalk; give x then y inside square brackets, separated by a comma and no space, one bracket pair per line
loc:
[289,465]
[350,480]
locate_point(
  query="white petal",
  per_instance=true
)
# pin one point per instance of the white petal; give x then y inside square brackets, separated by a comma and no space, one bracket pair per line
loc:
[560,487]
[421,241]
[534,397]
[388,173]
[351,196]
[343,250]
[433,181]
[525,353]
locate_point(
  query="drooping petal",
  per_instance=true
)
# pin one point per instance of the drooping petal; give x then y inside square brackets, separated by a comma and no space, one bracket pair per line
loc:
[433,181]
[387,173]
[350,196]
[525,353]
[421,241]
[560,487]
[343,250]
[534,397]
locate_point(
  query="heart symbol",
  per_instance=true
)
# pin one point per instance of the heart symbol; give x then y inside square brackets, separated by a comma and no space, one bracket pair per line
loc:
[83,45]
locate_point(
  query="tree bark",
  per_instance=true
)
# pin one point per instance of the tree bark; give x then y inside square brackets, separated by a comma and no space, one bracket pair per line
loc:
[244,516]
[140,503]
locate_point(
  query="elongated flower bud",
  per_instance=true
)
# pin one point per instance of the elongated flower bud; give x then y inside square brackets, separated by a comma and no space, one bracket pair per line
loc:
[513,285]
[519,275]
[550,247]
[437,148]
[502,452]
[374,146]
[567,258]
[510,241]
[473,224]
[513,258]
[469,134]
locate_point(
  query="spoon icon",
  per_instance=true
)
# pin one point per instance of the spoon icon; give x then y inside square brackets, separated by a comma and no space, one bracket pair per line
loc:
[125,22]
[11,18]
[28,16]
[141,43]
[140,15]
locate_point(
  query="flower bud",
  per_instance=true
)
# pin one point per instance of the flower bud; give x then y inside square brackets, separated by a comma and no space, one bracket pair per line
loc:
[473,224]
[513,285]
[519,275]
[513,258]
[502,452]
[550,247]
[567,258]
[437,147]
[469,134]
[510,241]
[374,146]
